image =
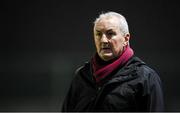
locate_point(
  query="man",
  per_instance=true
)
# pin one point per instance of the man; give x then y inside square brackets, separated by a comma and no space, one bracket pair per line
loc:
[114,79]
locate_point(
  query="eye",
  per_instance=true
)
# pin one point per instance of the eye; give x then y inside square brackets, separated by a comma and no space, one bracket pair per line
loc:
[98,34]
[110,34]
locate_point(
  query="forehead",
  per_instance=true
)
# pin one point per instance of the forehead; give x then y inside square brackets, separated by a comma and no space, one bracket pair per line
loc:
[106,24]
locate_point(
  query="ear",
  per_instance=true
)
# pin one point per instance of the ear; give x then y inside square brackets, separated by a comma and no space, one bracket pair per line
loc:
[126,41]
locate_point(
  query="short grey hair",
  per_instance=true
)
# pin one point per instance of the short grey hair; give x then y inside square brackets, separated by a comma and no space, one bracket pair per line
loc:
[123,25]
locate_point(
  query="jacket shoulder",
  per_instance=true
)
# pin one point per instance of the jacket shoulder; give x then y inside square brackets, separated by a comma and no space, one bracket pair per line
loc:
[146,72]
[85,66]
[142,68]
[81,70]
[148,78]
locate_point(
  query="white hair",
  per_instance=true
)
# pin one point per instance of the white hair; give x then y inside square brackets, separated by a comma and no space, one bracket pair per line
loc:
[123,25]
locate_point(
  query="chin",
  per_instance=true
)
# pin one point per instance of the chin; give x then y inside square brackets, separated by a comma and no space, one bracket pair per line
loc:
[107,57]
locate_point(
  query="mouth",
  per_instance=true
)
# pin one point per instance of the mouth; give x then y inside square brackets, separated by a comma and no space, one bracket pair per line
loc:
[106,49]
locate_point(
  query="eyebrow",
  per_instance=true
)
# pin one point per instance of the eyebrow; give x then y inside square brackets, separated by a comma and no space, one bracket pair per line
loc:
[98,30]
[110,30]
[106,30]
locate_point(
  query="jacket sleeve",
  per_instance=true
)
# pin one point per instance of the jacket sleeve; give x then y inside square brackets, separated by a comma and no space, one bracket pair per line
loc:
[155,98]
[71,97]
[68,101]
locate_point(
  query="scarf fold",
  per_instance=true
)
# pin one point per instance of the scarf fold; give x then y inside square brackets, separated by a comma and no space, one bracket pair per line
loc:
[101,68]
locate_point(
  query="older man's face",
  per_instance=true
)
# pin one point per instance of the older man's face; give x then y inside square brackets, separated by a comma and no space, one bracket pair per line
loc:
[108,38]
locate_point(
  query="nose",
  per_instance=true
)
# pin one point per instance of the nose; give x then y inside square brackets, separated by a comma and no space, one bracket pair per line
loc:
[104,39]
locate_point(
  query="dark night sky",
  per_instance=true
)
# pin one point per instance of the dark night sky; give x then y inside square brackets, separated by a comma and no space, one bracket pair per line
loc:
[43,42]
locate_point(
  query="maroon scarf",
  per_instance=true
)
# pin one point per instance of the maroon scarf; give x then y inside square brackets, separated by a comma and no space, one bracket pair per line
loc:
[101,68]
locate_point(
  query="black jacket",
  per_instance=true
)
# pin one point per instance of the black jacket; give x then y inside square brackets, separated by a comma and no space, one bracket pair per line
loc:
[133,87]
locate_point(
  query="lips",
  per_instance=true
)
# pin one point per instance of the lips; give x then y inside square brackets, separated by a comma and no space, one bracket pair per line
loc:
[106,49]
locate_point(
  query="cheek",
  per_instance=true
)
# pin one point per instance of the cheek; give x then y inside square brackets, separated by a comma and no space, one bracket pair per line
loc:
[97,44]
[117,45]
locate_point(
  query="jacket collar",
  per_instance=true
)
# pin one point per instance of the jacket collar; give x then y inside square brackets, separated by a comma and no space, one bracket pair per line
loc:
[125,73]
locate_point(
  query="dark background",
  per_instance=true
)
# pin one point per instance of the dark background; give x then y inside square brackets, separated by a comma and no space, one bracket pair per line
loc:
[44,41]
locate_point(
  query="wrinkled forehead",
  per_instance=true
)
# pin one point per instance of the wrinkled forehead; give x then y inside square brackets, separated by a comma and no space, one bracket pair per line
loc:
[106,24]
